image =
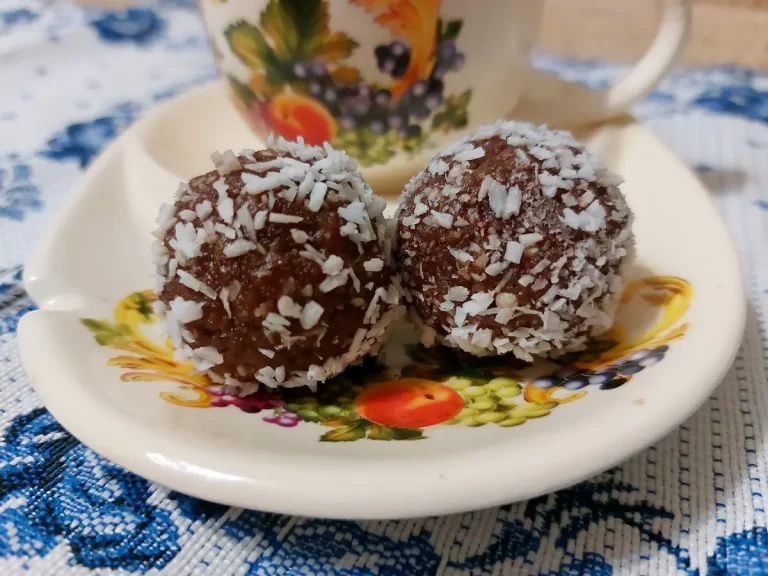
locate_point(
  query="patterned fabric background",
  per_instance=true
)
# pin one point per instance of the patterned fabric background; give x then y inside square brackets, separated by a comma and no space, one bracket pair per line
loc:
[73,78]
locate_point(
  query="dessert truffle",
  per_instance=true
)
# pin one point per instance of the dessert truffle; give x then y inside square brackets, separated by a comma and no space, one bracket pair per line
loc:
[513,240]
[275,268]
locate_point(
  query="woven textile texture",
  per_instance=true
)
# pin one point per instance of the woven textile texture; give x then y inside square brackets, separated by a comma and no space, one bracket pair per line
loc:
[72,78]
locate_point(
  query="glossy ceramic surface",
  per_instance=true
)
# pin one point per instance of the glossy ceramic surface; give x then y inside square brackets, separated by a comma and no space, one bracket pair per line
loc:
[488,432]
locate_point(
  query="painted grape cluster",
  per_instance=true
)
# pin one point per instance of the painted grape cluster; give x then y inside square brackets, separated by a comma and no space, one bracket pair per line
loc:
[333,402]
[361,106]
[393,58]
[423,97]
[606,378]
[307,88]
[497,401]
[374,121]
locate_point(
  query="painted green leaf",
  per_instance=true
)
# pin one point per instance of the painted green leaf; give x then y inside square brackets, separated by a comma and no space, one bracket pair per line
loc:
[107,333]
[279,22]
[407,434]
[242,91]
[280,72]
[313,26]
[94,325]
[337,46]
[249,44]
[142,304]
[377,432]
[346,75]
[262,88]
[290,31]
[453,114]
[452,29]
[439,120]
[448,30]
[345,433]
[463,100]
[440,30]
[297,29]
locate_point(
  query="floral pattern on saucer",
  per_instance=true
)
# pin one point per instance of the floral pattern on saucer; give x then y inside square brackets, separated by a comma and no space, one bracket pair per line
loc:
[382,400]
[300,83]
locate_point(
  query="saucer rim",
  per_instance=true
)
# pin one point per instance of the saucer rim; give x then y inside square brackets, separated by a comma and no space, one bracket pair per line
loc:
[379,497]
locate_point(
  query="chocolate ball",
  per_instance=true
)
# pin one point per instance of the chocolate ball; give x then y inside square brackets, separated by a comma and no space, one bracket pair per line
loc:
[275,268]
[513,240]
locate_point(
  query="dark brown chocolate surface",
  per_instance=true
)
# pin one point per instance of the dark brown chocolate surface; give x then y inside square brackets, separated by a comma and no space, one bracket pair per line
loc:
[266,275]
[429,269]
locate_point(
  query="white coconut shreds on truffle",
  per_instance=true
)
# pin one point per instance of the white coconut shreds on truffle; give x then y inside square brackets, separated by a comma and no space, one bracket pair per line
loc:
[535,267]
[250,261]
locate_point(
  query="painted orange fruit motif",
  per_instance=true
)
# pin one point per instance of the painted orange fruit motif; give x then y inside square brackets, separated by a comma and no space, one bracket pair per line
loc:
[294,115]
[408,403]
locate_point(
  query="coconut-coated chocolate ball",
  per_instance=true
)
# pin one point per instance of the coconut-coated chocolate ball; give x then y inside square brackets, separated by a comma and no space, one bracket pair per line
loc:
[513,240]
[275,268]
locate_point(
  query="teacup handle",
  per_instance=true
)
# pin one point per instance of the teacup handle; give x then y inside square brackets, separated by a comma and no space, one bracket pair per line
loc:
[558,103]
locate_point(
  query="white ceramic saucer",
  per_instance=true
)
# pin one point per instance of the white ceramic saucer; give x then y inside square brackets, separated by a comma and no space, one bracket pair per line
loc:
[487,433]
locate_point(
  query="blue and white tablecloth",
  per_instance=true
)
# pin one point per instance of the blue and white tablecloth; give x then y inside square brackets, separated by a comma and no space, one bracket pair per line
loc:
[72,78]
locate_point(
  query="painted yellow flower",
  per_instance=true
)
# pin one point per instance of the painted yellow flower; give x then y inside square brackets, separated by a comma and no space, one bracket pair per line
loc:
[415,22]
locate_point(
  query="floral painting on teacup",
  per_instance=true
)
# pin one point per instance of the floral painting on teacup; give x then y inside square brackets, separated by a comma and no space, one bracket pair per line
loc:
[300,83]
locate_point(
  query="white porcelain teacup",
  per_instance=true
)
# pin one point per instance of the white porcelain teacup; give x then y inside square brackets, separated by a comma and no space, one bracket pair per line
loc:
[391,80]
